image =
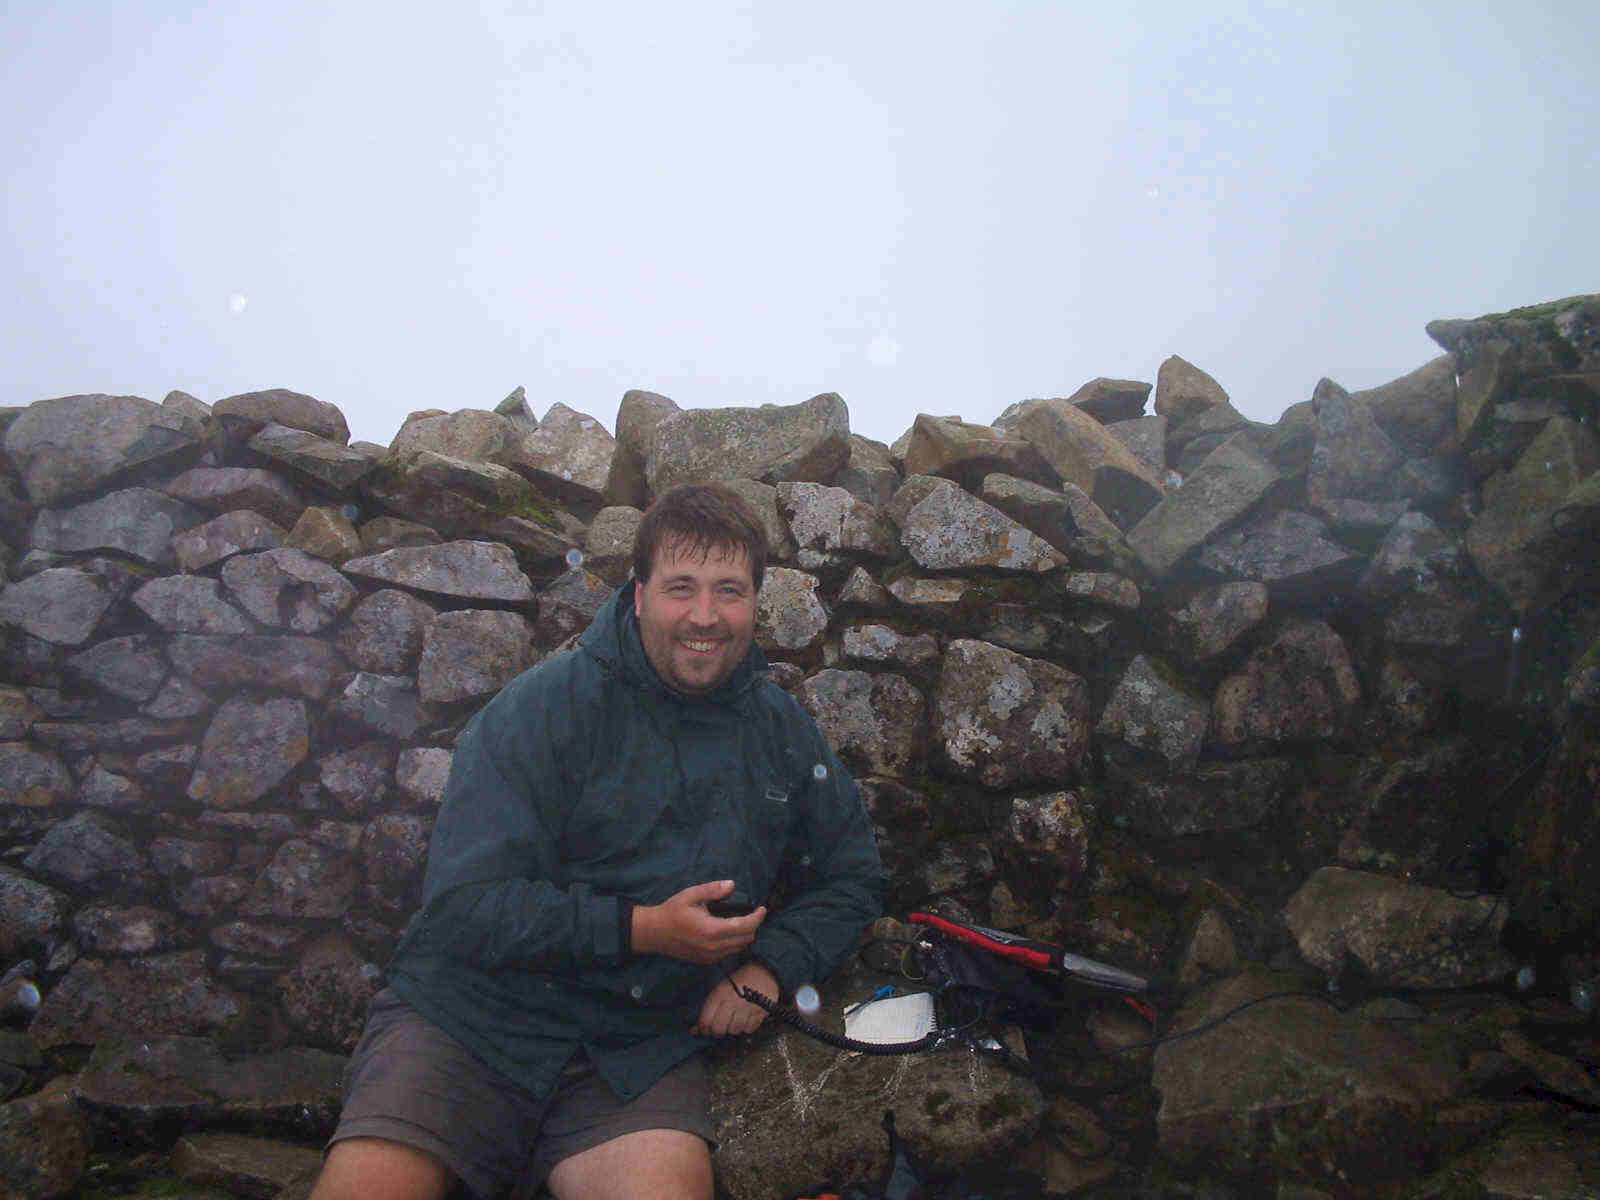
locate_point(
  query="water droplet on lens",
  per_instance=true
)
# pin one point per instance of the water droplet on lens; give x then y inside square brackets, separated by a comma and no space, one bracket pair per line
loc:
[1583,997]
[1516,634]
[574,557]
[819,772]
[807,1000]
[1526,978]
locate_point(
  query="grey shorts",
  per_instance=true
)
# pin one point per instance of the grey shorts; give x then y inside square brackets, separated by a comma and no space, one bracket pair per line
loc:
[409,1081]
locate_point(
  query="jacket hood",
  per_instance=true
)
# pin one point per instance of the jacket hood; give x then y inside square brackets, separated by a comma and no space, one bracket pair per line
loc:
[613,641]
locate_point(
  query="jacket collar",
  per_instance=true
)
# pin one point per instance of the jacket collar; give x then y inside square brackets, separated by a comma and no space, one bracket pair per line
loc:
[613,640]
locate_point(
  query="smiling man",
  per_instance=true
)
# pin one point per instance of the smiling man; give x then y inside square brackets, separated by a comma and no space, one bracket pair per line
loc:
[616,824]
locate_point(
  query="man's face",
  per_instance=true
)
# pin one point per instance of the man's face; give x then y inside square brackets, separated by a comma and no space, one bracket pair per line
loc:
[697,616]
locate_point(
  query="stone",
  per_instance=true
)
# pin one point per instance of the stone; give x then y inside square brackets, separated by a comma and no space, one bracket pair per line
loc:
[17,714]
[569,604]
[1111,400]
[249,748]
[1401,934]
[763,498]
[1214,798]
[471,654]
[873,721]
[1085,454]
[32,913]
[384,632]
[245,415]
[1146,440]
[393,849]
[77,445]
[950,448]
[31,777]
[471,434]
[393,533]
[250,1167]
[1212,950]
[61,605]
[325,995]
[1352,456]
[932,598]
[1046,840]
[950,529]
[1220,492]
[637,418]
[608,545]
[302,666]
[806,442]
[88,850]
[1067,519]
[1104,588]
[224,489]
[1150,711]
[106,930]
[190,604]
[1183,390]
[911,493]
[1299,686]
[833,529]
[1418,410]
[870,475]
[303,881]
[515,409]
[127,667]
[315,462]
[288,588]
[106,1000]
[222,537]
[385,705]
[1190,440]
[106,789]
[421,774]
[569,458]
[358,779]
[1004,720]
[1288,551]
[325,533]
[44,1147]
[137,522]
[461,570]
[91,737]
[790,616]
[881,644]
[1216,618]
[862,590]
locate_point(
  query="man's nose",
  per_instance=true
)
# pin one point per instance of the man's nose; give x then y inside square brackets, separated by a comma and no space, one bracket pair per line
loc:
[704,609]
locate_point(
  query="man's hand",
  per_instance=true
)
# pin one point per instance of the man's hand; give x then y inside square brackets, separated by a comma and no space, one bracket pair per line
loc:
[725,1013]
[680,926]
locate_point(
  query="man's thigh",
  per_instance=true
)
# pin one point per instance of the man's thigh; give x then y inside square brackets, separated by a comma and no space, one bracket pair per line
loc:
[410,1083]
[651,1164]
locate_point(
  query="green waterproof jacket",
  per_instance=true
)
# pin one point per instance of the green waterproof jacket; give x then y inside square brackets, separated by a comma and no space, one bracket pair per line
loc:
[587,786]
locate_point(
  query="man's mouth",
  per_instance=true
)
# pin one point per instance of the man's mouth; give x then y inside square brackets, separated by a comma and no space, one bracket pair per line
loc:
[700,647]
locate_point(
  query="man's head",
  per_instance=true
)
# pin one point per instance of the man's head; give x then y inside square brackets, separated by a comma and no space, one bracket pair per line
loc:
[698,561]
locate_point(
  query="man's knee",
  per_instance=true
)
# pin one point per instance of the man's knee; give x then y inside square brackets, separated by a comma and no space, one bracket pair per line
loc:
[651,1164]
[365,1168]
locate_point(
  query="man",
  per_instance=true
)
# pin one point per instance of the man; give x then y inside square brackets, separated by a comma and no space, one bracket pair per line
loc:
[547,1002]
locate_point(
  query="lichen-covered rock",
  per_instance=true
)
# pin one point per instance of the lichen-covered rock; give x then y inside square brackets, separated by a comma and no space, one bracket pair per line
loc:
[250,746]
[832,528]
[1004,720]
[323,465]
[303,881]
[421,774]
[222,537]
[288,588]
[1289,551]
[463,570]
[101,1000]
[569,458]
[384,633]
[472,654]
[325,995]
[44,1147]
[1417,410]
[1150,711]
[773,443]
[789,613]
[386,705]
[224,489]
[881,644]
[1085,454]
[1221,490]
[569,604]
[61,605]
[637,418]
[137,522]
[1109,400]
[108,930]
[325,533]
[1046,840]
[1183,389]
[31,777]
[32,913]
[870,475]
[1216,618]
[88,851]
[951,529]
[873,722]
[75,445]
[1300,686]
[473,434]
[357,779]
[608,545]
[190,604]
[301,666]
[245,415]
[958,450]
[129,667]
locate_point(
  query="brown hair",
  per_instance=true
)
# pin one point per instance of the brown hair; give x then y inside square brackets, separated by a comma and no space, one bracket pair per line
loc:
[698,518]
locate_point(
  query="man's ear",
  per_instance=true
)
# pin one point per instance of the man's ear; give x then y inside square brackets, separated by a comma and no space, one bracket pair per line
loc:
[638,587]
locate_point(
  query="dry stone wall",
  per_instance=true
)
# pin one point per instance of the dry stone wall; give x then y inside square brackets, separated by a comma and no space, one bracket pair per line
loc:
[1125,679]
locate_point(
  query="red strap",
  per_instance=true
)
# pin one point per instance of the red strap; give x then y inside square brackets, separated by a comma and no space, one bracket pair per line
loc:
[1037,959]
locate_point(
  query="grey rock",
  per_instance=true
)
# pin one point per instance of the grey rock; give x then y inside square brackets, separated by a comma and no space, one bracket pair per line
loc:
[1146,440]
[258,939]
[1190,440]
[386,705]
[1214,798]
[31,777]
[870,475]
[17,714]
[763,498]
[790,616]
[137,522]
[190,604]
[1183,390]
[911,493]
[1402,934]
[1421,581]
[62,605]
[1020,627]
[862,589]
[569,458]
[117,793]
[249,748]
[44,1147]
[87,850]
[833,529]
[1111,400]
[323,465]
[933,598]
[384,632]
[881,644]
[303,881]
[950,529]
[771,444]
[421,774]
[1417,410]
[325,995]
[608,544]
[1067,519]
[301,666]
[92,737]
[1220,492]
[1299,686]
[1046,840]
[209,897]
[182,857]
[950,448]
[358,779]
[245,415]
[1150,711]
[1104,588]
[326,533]
[32,913]
[1352,456]
[473,653]
[167,768]
[874,722]
[232,533]
[1215,618]
[471,434]
[79,444]
[393,849]
[1289,552]
[515,409]
[464,570]
[569,604]
[1085,454]
[1562,335]
[637,418]
[129,667]
[251,1167]
[393,533]
[288,588]
[107,930]
[1005,720]
[224,489]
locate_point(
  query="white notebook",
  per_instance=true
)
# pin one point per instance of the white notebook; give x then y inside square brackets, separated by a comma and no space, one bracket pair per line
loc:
[895,1019]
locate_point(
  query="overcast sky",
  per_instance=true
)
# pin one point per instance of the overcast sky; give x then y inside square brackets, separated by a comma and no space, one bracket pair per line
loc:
[925,207]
